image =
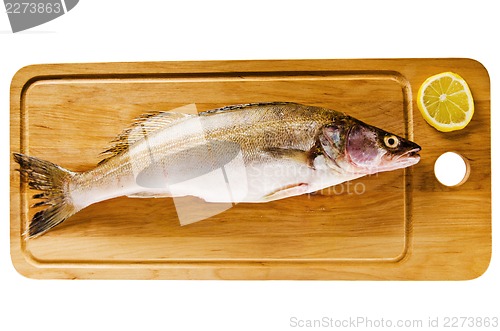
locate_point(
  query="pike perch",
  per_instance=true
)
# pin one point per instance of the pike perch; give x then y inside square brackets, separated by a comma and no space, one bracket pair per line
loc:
[266,152]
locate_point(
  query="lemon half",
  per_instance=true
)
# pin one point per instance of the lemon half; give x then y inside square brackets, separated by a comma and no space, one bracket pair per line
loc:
[445,102]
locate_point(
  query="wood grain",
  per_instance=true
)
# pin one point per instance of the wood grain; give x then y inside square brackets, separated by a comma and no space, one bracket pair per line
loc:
[398,225]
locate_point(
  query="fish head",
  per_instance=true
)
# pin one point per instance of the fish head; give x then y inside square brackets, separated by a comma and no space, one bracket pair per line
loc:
[356,147]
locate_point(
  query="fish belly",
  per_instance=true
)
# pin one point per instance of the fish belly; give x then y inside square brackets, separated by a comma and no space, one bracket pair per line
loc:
[236,182]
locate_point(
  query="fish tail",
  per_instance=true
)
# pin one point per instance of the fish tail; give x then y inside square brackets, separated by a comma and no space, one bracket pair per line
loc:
[53,181]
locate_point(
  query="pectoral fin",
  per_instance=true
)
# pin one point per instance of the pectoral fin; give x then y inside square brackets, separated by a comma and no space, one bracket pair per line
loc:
[297,155]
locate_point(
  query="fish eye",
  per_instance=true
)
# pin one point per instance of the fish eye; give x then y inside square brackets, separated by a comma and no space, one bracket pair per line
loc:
[391,141]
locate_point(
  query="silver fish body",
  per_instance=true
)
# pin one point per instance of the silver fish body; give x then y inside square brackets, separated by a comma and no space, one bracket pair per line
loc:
[244,153]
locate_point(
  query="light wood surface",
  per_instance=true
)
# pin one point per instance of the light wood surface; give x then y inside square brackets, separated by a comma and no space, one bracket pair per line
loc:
[397,225]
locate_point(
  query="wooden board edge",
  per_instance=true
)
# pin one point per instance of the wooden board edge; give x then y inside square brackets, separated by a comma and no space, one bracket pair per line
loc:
[21,264]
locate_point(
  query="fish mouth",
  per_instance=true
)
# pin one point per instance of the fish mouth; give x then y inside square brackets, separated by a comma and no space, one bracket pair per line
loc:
[412,153]
[409,157]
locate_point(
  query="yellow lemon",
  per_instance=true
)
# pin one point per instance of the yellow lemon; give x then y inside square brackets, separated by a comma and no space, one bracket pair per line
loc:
[446,102]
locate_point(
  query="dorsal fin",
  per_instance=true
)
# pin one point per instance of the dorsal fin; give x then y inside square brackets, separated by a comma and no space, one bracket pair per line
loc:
[243,106]
[143,126]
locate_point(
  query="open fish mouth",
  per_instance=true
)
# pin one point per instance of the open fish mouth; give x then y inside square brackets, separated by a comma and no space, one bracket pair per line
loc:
[409,157]
[412,153]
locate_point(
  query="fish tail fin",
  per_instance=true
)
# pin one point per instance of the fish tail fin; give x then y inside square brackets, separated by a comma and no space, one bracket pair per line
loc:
[53,181]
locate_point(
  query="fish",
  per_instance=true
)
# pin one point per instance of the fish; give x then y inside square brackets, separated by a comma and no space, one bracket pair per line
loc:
[264,151]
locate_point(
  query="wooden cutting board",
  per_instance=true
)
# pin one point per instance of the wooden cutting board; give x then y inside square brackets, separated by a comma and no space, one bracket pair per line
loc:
[396,225]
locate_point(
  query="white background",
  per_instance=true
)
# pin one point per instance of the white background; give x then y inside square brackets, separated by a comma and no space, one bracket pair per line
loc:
[101,31]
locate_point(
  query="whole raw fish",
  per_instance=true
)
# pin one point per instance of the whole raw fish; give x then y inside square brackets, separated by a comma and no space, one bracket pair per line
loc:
[264,152]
